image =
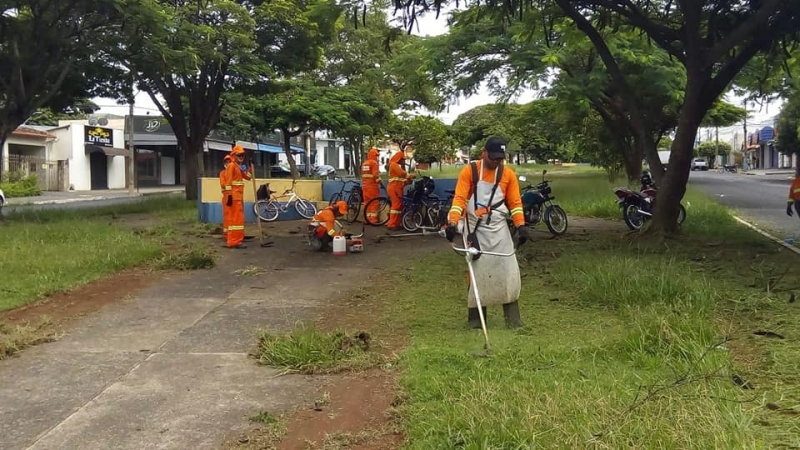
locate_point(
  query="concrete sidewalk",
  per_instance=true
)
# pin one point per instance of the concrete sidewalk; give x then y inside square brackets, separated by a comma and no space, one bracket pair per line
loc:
[764,172]
[169,368]
[62,197]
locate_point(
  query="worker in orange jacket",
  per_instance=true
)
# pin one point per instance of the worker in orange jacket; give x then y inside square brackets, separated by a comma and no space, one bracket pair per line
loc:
[225,187]
[794,195]
[325,223]
[490,193]
[371,184]
[398,180]
[236,173]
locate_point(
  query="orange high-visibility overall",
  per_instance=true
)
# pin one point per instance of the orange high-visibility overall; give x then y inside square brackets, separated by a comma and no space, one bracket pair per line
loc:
[327,222]
[237,178]
[398,179]
[794,190]
[225,187]
[370,184]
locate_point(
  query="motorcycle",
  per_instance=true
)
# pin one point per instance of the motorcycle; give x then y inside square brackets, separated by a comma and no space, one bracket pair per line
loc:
[538,196]
[728,168]
[637,207]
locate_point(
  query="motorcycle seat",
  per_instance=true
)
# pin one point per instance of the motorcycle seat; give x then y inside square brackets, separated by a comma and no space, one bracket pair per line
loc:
[451,192]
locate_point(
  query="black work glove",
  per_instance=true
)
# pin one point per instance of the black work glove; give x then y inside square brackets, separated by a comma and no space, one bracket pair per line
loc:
[450,231]
[789,209]
[522,235]
[229,201]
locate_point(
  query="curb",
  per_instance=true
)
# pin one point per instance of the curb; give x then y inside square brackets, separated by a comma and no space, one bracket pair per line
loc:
[767,235]
[90,199]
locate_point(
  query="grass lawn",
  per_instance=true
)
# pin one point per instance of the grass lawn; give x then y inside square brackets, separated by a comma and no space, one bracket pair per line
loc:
[49,251]
[627,344]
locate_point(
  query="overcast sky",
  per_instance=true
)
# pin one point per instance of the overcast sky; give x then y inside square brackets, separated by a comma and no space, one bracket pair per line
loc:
[430,26]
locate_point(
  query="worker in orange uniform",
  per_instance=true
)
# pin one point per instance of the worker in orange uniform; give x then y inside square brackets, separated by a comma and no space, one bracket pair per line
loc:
[794,195]
[490,193]
[236,173]
[398,179]
[225,186]
[371,185]
[324,224]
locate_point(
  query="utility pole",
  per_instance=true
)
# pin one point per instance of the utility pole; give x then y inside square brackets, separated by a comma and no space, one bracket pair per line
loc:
[744,138]
[131,152]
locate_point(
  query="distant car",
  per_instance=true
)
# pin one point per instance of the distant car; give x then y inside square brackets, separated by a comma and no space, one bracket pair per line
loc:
[699,164]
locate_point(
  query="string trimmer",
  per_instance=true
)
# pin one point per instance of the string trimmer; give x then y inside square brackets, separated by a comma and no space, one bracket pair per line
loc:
[424,233]
[471,253]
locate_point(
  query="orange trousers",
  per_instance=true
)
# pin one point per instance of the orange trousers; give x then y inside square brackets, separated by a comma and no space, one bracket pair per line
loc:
[226,216]
[396,211]
[236,224]
[371,192]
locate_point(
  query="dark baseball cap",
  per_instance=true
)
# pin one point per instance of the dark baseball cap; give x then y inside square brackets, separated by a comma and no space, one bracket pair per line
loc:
[495,147]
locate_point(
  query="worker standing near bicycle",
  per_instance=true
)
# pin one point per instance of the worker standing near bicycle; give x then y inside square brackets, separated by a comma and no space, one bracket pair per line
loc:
[237,173]
[398,180]
[225,186]
[371,185]
[490,193]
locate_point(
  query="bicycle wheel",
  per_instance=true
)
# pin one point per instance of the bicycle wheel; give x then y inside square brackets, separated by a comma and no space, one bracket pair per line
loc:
[412,220]
[266,210]
[305,208]
[334,198]
[353,207]
[382,210]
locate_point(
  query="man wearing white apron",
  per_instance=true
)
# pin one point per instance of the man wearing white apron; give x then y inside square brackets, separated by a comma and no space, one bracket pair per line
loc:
[490,193]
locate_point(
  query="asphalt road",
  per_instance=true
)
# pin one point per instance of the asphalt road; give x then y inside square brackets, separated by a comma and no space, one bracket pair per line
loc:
[758,199]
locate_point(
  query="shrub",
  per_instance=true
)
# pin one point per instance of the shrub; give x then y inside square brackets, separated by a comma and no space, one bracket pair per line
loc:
[16,184]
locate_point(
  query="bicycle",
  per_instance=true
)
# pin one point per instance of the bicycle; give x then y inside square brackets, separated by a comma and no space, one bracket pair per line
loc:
[434,216]
[383,204]
[267,206]
[354,198]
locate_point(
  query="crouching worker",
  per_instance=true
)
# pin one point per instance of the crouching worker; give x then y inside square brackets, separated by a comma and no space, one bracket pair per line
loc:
[322,228]
[490,193]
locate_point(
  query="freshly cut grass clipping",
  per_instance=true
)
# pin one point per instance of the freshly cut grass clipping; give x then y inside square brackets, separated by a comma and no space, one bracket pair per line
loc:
[307,350]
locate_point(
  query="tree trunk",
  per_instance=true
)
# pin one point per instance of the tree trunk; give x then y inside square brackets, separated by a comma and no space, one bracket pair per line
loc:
[5,132]
[631,159]
[287,149]
[193,155]
[673,186]
[650,150]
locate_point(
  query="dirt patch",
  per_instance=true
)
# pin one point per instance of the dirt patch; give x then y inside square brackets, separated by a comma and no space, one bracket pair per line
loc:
[63,307]
[351,411]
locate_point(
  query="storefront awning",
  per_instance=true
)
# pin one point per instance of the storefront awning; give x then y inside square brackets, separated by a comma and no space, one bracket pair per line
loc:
[109,151]
[247,145]
[221,146]
[269,148]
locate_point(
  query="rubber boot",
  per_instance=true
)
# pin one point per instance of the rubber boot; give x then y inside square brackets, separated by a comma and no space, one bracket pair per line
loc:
[473,318]
[511,312]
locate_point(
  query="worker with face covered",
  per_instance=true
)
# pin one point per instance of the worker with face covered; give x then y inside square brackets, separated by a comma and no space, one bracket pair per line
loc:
[398,180]
[325,223]
[237,172]
[225,186]
[371,185]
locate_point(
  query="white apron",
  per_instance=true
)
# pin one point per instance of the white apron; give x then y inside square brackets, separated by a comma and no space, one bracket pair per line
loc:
[497,277]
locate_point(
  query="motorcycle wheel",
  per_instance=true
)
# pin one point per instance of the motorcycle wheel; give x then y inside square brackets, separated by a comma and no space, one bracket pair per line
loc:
[632,218]
[681,214]
[556,220]
[411,220]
